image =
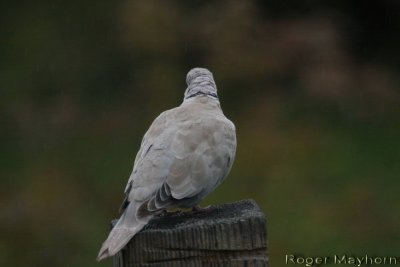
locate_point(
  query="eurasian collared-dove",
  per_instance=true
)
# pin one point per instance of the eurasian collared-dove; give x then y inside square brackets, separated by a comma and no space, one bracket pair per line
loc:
[186,153]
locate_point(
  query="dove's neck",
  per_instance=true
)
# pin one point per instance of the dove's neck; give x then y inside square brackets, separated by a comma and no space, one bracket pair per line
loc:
[201,103]
[200,93]
[201,86]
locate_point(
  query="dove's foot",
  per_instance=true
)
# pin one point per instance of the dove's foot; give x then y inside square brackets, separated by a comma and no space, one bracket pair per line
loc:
[205,209]
[164,213]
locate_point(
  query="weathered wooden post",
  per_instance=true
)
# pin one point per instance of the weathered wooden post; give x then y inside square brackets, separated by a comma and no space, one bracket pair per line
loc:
[226,235]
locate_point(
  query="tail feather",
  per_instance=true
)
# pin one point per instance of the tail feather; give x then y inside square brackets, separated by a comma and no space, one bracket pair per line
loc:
[127,226]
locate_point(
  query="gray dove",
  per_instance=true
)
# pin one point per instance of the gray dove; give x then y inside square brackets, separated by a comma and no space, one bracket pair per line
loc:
[185,154]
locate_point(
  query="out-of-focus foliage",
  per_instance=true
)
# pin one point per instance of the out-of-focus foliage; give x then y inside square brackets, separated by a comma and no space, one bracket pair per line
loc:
[312,86]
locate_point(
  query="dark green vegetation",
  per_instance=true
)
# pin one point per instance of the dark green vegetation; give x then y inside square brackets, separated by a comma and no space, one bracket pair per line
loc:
[312,88]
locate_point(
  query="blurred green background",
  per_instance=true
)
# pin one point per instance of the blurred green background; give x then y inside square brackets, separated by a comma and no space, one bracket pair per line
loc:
[312,86]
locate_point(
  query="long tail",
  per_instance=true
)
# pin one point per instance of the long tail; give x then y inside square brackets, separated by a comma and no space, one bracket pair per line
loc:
[127,226]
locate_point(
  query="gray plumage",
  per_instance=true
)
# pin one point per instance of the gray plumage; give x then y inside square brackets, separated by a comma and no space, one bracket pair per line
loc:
[185,154]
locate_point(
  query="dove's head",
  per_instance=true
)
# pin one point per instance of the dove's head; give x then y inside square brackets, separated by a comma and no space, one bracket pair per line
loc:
[200,82]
